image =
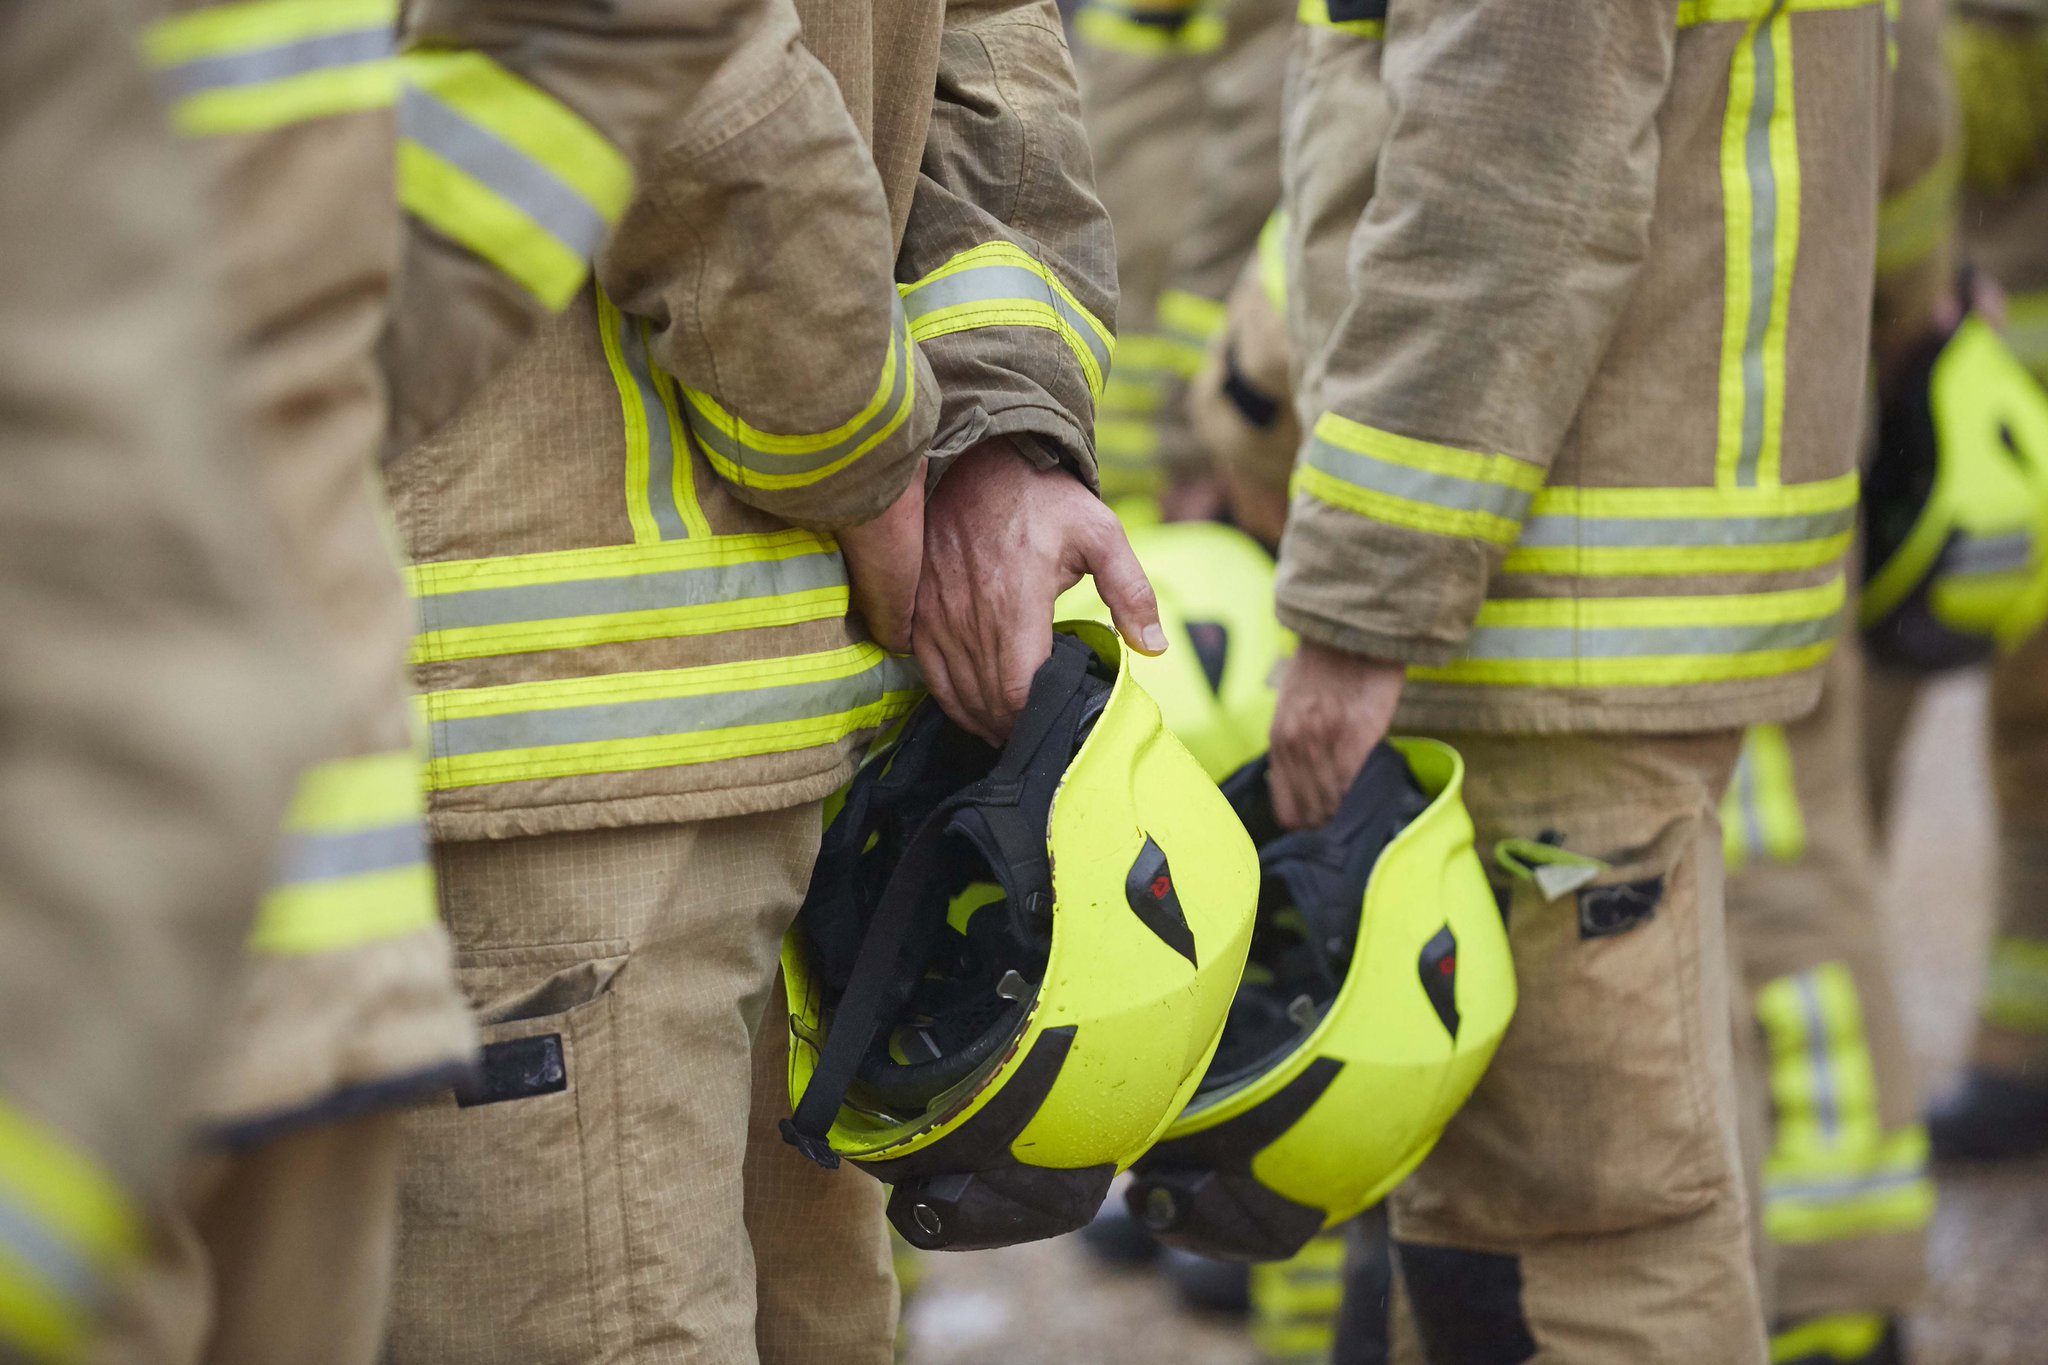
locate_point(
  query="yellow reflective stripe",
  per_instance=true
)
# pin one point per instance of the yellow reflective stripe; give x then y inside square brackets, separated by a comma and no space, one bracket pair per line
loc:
[352,863]
[1760,813]
[1913,223]
[2026,330]
[1846,1337]
[570,599]
[1415,484]
[2016,985]
[1190,318]
[1156,29]
[661,497]
[64,1224]
[1609,532]
[1369,22]
[628,722]
[1131,395]
[1760,193]
[753,458]
[1146,355]
[1692,12]
[1833,1173]
[1273,261]
[1645,641]
[506,170]
[253,67]
[1000,284]
[1294,1303]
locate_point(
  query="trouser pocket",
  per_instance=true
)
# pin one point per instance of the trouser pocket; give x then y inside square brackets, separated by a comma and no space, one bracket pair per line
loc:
[511,1244]
[1601,1111]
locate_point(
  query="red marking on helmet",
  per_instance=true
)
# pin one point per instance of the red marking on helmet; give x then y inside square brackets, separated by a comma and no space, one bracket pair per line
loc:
[1448,967]
[1162,887]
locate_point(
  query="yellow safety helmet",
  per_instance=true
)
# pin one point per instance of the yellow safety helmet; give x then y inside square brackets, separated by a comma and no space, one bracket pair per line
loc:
[1379,986]
[1011,968]
[1214,684]
[1956,507]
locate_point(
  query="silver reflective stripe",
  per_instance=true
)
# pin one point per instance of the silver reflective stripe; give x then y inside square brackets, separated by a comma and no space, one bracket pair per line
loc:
[26,1239]
[1763,236]
[1967,556]
[1547,532]
[661,446]
[1628,642]
[304,857]
[706,429]
[260,65]
[1826,1104]
[1417,485]
[637,592]
[481,154]
[1752,817]
[988,283]
[628,720]
[1838,1191]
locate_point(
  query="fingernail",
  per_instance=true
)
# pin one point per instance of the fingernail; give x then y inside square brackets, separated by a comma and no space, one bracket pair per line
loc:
[1154,638]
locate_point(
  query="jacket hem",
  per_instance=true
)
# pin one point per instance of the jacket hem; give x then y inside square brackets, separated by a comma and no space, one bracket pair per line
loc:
[339,1106]
[1431,707]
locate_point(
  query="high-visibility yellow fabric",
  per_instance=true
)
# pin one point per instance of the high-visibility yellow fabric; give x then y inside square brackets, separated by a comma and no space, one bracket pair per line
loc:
[999,284]
[64,1225]
[1760,815]
[1295,1302]
[248,68]
[1847,1337]
[1149,27]
[2016,985]
[506,170]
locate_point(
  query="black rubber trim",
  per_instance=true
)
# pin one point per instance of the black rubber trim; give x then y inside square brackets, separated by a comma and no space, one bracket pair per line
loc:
[1468,1305]
[339,1106]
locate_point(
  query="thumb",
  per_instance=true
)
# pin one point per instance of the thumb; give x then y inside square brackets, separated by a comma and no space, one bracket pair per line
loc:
[1121,583]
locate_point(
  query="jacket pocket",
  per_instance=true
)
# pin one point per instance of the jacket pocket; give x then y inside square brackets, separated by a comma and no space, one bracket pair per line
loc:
[1598,1115]
[511,1241]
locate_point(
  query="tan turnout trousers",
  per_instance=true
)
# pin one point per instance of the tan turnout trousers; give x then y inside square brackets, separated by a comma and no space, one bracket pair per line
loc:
[1587,1204]
[1846,1193]
[625,980]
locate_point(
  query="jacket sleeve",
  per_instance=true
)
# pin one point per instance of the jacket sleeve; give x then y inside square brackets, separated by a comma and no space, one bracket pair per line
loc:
[1006,268]
[1237,183]
[520,124]
[761,253]
[1917,216]
[150,690]
[1510,216]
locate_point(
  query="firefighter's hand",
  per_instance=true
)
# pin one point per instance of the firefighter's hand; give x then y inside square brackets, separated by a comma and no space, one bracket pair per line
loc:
[883,560]
[1002,540]
[1333,708]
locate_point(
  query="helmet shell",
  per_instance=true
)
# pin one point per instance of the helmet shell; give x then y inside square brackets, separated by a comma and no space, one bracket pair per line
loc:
[1141,1010]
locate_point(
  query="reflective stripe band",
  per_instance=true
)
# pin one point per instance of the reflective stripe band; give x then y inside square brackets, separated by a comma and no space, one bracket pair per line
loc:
[570,599]
[1978,556]
[660,495]
[1845,1337]
[1760,193]
[752,458]
[1359,18]
[1760,814]
[627,722]
[1273,262]
[250,68]
[1645,641]
[1598,533]
[1416,484]
[2026,331]
[352,864]
[1833,1173]
[1692,12]
[1913,223]
[1129,395]
[1158,29]
[1191,322]
[2016,986]
[507,171]
[64,1225]
[1294,1303]
[999,284]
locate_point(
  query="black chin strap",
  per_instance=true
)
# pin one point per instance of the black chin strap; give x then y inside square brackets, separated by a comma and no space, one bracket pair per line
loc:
[1043,735]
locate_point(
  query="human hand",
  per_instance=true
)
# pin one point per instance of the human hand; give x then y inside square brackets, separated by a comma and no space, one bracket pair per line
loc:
[1002,540]
[1333,707]
[884,559]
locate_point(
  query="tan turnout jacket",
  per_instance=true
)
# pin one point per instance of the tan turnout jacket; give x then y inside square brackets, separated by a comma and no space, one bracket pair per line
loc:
[630,605]
[1583,428]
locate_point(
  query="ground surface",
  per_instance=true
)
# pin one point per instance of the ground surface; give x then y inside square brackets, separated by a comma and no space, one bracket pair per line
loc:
[1049,1305]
